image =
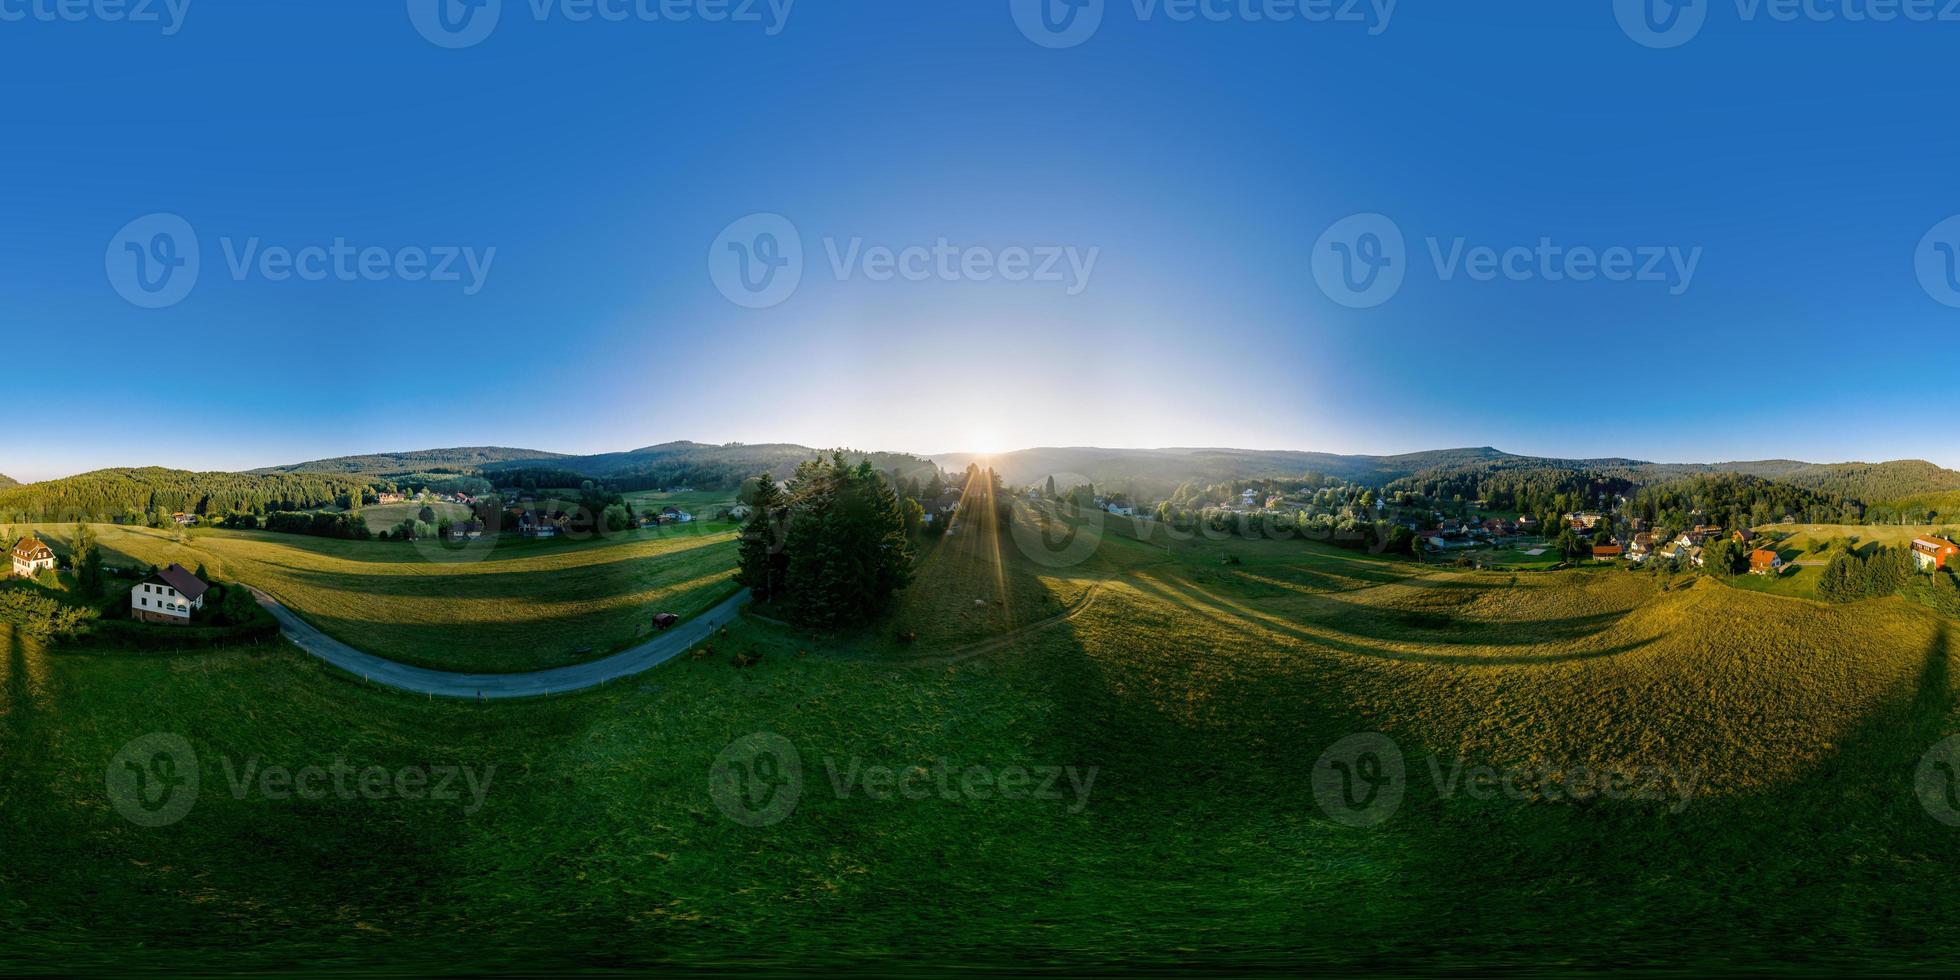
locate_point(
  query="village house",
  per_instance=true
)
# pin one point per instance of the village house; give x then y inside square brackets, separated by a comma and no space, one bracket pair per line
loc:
[1765,562]
[466,531]
[1930,552]
[1642,546]
[31,557]
[1607,552]
[168,596]
[1744,536]
[534,524]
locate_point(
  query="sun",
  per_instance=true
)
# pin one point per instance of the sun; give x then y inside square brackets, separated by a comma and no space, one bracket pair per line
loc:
[984,440]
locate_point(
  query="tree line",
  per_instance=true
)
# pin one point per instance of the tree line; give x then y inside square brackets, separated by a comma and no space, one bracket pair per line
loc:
[151,495]
[830,550]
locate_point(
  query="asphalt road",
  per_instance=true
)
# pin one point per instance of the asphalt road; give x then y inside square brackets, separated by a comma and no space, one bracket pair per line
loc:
[420,680]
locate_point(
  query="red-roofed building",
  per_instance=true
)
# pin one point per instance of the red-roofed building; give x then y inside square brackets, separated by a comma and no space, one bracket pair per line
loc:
[1933,553]
[169,596]
[1764,562]
[1607,552]
[31,557]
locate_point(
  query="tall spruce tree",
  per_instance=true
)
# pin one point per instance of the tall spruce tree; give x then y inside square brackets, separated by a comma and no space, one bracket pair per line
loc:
[762,559]
[846,545]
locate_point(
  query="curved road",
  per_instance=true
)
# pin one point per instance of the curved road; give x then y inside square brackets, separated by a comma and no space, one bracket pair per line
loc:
[654,652]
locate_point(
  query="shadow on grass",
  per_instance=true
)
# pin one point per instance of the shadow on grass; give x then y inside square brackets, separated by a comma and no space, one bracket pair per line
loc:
[1226,612]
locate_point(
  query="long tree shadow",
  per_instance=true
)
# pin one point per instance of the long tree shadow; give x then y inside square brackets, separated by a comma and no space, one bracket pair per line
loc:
[1805,873]
[1225,612]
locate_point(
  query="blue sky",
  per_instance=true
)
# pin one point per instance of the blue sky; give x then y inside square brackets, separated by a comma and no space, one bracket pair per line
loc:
[1132,228]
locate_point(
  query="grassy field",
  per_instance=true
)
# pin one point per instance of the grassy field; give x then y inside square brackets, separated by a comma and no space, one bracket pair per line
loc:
[1891,535]
[1200,692]
[498,606]
[385,517]
[703,504]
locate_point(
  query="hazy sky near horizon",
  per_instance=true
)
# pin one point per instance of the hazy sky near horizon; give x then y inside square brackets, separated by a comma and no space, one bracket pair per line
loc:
[1142,239]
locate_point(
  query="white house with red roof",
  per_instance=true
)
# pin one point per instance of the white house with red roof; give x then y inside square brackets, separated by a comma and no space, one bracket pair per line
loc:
[1933,553]
[169,596]
[31,557]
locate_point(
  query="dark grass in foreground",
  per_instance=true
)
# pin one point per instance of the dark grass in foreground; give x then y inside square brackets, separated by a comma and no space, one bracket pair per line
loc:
[1202,694]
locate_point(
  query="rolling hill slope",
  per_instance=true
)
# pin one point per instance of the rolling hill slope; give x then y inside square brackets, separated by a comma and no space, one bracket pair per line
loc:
[417,461]
[1157,471]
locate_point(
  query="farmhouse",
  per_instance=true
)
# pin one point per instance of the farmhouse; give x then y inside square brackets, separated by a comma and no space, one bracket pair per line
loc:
[1606,552]
[1930,552]
[535,524]
[1745,536]
[1641,547]
[1764,562]
[169,596]
[31,557]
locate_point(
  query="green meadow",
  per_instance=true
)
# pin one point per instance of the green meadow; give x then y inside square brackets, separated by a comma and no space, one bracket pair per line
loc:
[386,517]
[1191,683]
[493,605]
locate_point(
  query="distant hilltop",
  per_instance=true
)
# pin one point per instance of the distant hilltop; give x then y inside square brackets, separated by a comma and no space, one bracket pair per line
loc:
[1161,470]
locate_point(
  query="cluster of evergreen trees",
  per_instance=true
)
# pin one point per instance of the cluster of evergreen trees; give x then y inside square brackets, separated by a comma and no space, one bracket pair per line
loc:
[831,550]
[348,526]
[144,495]
[1851,576]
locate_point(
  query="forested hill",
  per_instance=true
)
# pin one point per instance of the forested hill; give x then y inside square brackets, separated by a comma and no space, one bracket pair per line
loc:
[8,481]
[1152,472]
[1868,482]
[141,494]
[701,465]
[1155,472]
[419,461]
